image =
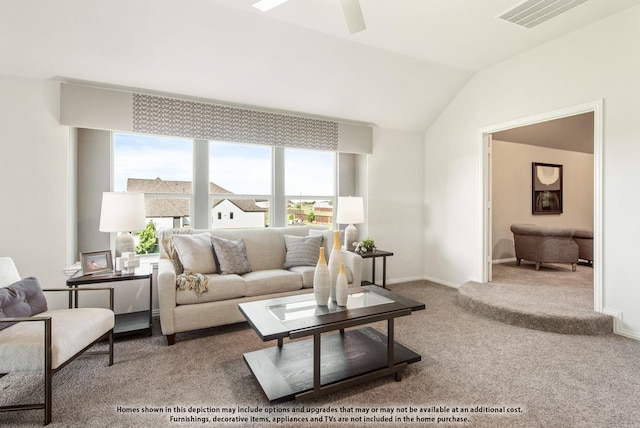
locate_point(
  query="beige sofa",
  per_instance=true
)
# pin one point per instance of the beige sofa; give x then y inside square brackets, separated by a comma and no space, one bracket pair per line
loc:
[541,244]
[186,258]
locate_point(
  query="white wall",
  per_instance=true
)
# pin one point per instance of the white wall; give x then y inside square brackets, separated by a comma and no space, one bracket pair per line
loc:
[394,210]
[594,63]
[34,159]
[511,179]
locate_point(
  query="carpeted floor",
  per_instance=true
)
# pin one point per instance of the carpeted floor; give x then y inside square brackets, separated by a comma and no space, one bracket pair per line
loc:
[493,374]
[554,299]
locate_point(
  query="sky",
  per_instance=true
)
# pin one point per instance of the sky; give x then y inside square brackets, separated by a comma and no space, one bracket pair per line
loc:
[239,168]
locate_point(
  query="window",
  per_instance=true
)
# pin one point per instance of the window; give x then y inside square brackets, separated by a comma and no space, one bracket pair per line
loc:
[310,186]
[241,184]
[159,167]
[240,180]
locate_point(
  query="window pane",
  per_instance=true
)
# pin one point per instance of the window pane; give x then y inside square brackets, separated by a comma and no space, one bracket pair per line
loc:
[156,165]
[237,213]
[242,169]
[309,186]
[307,211]
[145,159]
[309,172]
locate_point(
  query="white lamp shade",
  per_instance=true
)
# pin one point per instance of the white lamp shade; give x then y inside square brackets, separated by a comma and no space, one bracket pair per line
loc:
[350,210]
[122,212]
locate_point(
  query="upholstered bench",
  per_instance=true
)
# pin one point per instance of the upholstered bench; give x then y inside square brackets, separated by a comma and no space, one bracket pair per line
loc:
[545,244]
[584,239]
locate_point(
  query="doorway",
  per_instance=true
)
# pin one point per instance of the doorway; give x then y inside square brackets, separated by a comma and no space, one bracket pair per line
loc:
[596,110]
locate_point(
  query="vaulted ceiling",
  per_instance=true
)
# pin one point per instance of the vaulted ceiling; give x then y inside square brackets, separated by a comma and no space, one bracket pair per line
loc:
[399,73]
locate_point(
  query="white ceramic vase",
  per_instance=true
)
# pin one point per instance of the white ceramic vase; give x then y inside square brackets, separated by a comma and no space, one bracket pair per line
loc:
[321,281]
[335,260]
[342,287]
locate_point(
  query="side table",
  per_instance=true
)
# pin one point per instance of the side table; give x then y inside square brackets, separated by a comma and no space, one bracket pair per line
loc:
[126,323]
[373,255]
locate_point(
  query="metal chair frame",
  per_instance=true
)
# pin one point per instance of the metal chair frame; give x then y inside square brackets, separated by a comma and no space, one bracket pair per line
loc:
[49,371]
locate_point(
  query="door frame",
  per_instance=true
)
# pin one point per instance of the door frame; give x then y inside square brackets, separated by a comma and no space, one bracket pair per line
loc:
[485,251]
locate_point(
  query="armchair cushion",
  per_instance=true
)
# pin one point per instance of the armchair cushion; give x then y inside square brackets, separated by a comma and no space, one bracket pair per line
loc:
[71,331]
[21,299]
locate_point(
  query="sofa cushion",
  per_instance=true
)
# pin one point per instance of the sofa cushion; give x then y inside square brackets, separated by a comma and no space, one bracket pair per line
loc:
[327,239]
[270,281]
[231,256]
[21,299]
[195,252]
[221,287]
[307,273]
[302,250]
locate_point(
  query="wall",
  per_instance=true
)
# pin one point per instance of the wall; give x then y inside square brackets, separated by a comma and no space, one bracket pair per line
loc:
[393,207]
[587,65]
[34,180]
[94,177]
[511,190]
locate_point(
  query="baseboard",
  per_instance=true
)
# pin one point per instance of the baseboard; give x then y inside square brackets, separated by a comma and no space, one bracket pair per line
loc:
[618,325]
[406,279]
[441,281]
[501,261]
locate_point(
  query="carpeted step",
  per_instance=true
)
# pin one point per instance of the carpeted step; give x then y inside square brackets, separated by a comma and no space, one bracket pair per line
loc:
[526,306]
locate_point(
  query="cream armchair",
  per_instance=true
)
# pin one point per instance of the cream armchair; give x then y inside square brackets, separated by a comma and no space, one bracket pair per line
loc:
[46,341]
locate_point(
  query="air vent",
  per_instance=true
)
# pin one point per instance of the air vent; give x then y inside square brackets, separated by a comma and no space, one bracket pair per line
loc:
[535,12]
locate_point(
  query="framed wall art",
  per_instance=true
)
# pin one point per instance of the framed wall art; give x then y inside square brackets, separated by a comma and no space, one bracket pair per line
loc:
[546,188]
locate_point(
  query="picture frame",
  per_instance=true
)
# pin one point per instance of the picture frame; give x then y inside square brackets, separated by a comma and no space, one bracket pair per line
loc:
[546,188]
[96,262]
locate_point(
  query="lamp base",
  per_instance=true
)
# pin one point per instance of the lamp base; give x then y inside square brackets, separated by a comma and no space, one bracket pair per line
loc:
[350,236]
[124,243]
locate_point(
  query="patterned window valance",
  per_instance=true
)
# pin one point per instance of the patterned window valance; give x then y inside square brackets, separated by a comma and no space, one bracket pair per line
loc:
[175,117]
[118,110]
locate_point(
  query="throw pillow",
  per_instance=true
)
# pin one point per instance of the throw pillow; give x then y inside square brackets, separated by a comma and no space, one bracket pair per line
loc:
[231,256]
[302,250]
[195,252]
[21,299]
[327,240]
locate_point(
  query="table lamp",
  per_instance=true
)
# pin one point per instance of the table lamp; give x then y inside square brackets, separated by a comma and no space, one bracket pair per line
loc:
[122,212]
[350,211]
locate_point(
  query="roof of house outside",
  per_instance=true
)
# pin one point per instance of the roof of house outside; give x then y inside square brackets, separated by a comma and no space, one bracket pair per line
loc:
[179,207]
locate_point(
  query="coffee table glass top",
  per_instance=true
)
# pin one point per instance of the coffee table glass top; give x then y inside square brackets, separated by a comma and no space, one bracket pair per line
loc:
[308,308]
[290,315]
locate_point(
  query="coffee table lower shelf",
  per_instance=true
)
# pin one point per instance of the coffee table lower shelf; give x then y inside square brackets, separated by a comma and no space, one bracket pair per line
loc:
[357,355]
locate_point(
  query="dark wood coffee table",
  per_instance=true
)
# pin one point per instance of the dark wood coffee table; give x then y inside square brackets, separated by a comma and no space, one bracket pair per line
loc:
[304,369]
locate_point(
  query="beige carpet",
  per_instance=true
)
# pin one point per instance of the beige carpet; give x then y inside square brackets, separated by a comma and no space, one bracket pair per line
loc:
[471,363]
[555,298]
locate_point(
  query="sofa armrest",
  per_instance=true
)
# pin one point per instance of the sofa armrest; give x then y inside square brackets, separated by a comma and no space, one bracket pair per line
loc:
[166,295]
[354,262]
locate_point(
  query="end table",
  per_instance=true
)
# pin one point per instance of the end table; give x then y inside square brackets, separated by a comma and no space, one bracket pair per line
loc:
[373,255]
[126,323]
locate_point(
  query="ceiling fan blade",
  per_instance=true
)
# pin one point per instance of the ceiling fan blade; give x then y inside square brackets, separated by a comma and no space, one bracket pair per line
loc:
[353,15]
[266,5]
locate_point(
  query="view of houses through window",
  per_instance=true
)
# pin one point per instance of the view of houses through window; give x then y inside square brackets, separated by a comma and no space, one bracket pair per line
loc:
[242,184]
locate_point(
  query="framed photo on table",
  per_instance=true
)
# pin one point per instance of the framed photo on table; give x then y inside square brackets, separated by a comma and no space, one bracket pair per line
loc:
[546,188]
[96,262]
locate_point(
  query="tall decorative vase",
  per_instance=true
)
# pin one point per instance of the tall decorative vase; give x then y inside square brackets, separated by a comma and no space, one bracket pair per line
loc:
[335,260]
[321,281]
[342,288]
